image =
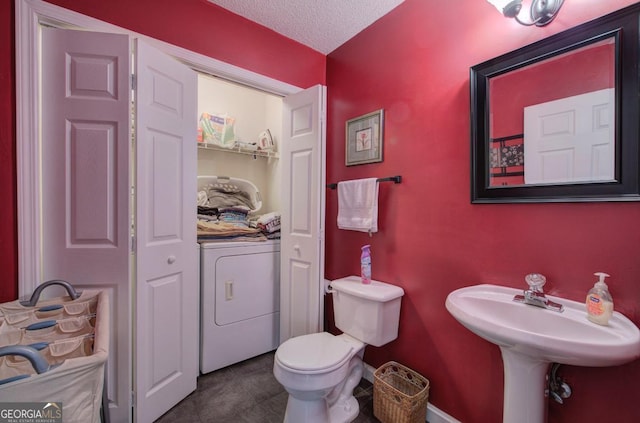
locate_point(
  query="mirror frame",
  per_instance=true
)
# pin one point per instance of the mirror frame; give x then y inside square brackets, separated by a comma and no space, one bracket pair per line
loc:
[625,27]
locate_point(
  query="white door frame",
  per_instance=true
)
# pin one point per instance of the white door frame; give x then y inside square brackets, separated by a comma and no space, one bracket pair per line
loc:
[29,15]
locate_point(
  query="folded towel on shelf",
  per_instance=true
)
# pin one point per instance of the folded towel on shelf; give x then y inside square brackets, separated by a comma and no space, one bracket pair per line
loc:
[358,205]
[207,218]
[269,222]
[235,215]
[203,198]
[222,229]
[209,211]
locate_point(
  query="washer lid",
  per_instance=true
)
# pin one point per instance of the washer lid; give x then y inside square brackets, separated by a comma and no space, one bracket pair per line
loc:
[317,351]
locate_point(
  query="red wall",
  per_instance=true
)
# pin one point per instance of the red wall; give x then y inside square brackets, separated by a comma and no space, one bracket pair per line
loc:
[8,240]
[197,25]
[415,63]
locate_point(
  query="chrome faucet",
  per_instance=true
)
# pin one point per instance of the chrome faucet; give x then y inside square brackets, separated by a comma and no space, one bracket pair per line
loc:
[535,296]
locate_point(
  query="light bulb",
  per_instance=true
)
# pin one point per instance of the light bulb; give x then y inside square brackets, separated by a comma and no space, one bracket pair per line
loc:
[509,8]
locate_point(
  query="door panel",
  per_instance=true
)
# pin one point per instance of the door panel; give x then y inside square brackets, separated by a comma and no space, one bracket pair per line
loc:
[571,139]
[167,285]
[303,187]
[85,181]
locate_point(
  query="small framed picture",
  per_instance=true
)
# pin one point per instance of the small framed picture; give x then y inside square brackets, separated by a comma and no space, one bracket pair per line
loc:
[364,139]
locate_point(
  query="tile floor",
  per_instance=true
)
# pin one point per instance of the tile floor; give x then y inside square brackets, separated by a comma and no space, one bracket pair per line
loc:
[247,392]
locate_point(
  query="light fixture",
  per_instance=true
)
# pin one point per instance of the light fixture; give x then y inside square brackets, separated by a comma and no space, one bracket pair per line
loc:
[541,12]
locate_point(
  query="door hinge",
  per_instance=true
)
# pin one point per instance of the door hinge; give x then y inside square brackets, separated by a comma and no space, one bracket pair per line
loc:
[133,398]
[134,82]
[133,244]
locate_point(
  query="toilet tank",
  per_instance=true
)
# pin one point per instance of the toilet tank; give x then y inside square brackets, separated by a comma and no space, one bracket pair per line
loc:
[369,313]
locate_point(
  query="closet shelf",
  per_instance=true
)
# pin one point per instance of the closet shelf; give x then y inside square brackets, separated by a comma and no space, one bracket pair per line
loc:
[239,150]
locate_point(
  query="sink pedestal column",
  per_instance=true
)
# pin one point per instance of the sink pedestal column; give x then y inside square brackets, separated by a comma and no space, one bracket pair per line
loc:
[525,383]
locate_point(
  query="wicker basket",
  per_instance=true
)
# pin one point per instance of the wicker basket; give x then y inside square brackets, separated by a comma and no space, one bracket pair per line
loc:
[399,394]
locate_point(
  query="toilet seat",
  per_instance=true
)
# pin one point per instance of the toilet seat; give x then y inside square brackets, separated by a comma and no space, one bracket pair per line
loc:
[314,353]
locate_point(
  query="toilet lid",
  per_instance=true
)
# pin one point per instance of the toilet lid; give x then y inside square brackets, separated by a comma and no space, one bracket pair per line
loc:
[318,351]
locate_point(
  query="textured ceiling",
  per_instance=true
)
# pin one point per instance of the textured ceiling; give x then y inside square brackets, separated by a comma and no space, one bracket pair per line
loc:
[323,25]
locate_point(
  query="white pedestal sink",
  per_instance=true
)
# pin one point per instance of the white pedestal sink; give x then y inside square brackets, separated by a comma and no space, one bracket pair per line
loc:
[531,338]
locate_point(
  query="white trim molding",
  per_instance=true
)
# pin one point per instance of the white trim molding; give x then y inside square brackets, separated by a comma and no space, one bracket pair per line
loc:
[27,148]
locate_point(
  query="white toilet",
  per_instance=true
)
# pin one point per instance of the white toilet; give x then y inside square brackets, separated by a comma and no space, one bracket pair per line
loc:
[321,370]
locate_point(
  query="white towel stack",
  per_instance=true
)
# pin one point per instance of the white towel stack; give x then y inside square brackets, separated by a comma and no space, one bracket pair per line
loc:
[358,205]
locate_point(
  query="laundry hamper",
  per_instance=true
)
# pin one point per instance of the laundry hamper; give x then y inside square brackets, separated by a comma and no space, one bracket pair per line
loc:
[46,353]
[230,186]
[400,395]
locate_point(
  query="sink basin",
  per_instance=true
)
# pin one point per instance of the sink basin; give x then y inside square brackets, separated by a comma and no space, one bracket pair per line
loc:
[567,338]
[531,338]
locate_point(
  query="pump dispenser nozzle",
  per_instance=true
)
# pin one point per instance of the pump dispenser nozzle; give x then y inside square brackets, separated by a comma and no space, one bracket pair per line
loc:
[601,276]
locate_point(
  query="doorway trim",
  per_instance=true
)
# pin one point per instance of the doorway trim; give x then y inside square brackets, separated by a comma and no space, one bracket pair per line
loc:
[29,15]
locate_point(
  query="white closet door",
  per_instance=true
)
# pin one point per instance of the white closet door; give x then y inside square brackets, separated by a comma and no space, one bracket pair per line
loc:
[167,285]
[303,186]
[85,181]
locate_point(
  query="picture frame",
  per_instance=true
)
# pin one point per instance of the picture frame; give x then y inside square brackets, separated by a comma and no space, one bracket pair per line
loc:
[364,138]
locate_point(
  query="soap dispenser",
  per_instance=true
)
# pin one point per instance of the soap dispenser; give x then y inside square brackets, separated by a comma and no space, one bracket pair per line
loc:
[599,302]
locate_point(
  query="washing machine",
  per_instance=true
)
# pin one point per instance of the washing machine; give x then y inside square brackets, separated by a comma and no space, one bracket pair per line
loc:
[240,301]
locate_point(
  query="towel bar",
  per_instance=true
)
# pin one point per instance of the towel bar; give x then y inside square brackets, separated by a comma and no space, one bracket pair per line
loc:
[395,179]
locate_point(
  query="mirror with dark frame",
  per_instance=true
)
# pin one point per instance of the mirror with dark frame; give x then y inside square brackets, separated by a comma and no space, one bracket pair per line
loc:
[558,120]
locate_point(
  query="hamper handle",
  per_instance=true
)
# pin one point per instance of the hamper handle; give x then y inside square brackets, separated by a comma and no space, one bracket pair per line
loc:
[40,365]
[41,325]
[36,294]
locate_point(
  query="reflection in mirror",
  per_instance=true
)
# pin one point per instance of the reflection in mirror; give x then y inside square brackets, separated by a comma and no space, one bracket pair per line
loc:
[553,121]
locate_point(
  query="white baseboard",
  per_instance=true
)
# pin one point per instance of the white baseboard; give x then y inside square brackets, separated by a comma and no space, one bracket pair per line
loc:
[434,414]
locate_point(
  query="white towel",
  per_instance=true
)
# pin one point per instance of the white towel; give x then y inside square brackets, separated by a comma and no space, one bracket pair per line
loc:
[358,205]
[203,198]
